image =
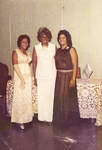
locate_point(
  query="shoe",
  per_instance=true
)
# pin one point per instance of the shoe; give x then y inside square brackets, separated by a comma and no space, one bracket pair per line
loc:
[44,122]
[21,126]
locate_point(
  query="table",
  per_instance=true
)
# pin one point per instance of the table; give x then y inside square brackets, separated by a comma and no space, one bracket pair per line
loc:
[90,99]
[9,97]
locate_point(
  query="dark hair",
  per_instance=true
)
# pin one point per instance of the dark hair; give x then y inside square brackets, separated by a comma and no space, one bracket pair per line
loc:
[68,37]
[45,31]
[21,37]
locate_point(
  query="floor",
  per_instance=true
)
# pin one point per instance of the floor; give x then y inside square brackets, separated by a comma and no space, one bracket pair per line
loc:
[38,136]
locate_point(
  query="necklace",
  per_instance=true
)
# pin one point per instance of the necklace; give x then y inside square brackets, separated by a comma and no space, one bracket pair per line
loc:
[65,48]
[44,48]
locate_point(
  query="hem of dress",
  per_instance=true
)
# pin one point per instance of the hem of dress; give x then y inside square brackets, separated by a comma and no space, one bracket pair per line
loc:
[22,122]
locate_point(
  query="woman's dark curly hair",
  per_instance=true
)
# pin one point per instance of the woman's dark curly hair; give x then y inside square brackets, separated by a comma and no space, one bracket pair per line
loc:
[20,38]
[68,37]
[44,30]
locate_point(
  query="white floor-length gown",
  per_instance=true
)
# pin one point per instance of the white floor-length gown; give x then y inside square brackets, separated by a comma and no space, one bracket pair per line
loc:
[45,74]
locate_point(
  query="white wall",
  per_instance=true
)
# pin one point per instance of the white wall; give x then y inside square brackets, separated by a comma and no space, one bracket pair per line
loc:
[82,18]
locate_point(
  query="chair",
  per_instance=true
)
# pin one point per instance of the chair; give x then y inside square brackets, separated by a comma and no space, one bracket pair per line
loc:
[78,72]
[3,102]
[4,77]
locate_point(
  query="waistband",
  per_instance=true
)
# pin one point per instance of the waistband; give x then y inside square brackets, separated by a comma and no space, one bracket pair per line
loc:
[65,70]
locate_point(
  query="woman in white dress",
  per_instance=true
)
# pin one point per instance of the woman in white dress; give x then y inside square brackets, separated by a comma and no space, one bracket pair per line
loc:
[44,74]
[22,111]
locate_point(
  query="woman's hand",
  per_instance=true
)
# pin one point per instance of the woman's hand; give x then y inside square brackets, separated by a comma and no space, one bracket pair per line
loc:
[72,83]
[22,85]
[35,82]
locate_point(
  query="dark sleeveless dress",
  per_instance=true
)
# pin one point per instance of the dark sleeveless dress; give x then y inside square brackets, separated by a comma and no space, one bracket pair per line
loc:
[65,102]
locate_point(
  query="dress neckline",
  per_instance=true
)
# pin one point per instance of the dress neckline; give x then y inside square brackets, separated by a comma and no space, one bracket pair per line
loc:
[22,52]
[45,46]
[65,48]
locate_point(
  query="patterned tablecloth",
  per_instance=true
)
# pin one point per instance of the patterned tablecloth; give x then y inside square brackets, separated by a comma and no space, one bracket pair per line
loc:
[90,99]
[9,97]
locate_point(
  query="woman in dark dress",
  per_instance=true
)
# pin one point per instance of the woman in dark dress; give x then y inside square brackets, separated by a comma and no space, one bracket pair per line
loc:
[65,102]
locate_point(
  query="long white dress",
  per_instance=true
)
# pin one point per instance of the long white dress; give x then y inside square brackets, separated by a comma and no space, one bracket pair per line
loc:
[45,74]
[22,110]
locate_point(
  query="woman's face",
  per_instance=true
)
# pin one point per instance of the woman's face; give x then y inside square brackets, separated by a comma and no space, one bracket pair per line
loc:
[24,44]
[44,39]
[62,40]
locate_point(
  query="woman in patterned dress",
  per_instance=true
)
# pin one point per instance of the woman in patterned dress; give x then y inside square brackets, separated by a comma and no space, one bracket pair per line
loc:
[44,74]
[22,111]
[65,88]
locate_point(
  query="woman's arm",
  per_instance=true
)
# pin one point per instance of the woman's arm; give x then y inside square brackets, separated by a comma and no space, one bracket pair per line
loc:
[17,69]
[74,58]
[55,50]
[31,75]
[34,59]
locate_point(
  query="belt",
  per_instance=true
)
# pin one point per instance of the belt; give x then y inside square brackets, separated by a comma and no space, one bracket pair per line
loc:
[65,70]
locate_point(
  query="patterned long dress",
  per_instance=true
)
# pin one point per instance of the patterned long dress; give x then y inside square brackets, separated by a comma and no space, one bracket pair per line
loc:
[22,110]
[65,100]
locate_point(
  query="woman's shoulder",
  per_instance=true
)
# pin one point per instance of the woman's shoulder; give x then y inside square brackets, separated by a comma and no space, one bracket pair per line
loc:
[58,49]
[72,49]
[15,53]
[37,45]
[51,45]
[15,50]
